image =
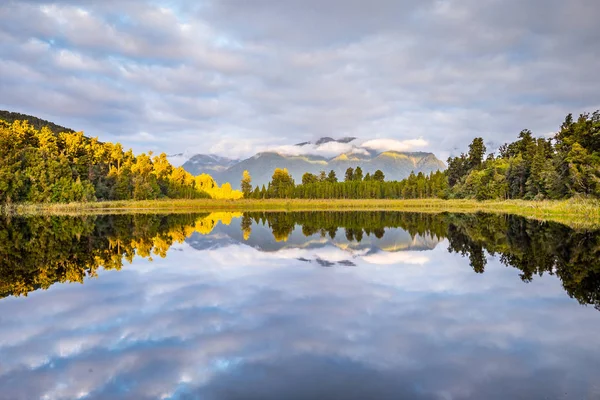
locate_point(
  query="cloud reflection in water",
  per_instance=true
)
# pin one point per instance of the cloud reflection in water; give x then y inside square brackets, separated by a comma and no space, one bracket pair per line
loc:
[235,321]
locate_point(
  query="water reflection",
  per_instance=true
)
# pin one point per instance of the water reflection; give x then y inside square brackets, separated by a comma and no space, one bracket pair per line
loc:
[239,306]
[39,251]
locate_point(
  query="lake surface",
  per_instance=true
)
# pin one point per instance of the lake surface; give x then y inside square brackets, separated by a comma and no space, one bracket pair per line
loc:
[298,306]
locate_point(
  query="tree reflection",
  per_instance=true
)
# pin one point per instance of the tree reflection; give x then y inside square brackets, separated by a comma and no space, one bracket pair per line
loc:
[36,252]
[355,224]
[533,247]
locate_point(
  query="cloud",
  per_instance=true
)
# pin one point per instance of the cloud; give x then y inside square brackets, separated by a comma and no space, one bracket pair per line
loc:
[326,150]
[332,149]
[273,73]
[396,145]
[386,258]
[208,325]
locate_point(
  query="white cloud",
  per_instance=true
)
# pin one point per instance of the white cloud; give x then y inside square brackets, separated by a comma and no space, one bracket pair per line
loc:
[253,73]
[332,149]
[403,257]
[396,145]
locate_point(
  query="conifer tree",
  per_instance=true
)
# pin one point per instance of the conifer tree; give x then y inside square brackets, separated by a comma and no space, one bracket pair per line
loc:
[358,174]
[349,175]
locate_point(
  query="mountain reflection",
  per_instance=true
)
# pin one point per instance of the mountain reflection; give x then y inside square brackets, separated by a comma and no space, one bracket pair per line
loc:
[36,252]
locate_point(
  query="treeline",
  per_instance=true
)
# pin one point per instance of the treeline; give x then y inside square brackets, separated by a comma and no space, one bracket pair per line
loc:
[351,225]
[41,166]
[35,122]
[353,186]
[563,166]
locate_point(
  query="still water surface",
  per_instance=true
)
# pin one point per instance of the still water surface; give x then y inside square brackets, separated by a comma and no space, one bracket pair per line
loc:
[298,305]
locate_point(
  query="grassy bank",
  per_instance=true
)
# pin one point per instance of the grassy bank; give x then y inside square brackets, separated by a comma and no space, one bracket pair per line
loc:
[572,212]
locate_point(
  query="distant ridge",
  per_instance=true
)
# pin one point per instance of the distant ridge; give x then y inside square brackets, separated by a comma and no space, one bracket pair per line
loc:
[394,164]
[36,122]
[208,163]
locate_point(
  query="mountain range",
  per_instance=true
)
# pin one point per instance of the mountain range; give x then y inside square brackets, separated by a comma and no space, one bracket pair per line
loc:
[396,165]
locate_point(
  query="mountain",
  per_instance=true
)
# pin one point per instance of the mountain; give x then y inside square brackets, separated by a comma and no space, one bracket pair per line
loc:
[394,164]
[208,163]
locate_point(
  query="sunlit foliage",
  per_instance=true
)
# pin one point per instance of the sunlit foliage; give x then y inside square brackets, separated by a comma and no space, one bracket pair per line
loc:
[40,166]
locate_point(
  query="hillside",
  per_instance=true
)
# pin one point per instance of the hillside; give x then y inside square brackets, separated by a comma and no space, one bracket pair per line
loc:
[36,122]
[37,166]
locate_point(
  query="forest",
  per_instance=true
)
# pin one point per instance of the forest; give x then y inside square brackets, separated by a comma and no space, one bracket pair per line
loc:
[562,166]
[42,166]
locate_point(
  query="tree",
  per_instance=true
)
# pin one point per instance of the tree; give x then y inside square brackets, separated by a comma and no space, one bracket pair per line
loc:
[246,226]
[322,176]
[332,178]
[246,184]
[458,168]
[308,178]
[282,184]
[349,175]
[358,174]
[378,176]
[476,152]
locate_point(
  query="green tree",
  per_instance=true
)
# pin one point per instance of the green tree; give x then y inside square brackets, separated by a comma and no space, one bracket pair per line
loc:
[308,178]
[332,178]
[349,175]
[358,174]
[246,184]
[282,184]
[476,152]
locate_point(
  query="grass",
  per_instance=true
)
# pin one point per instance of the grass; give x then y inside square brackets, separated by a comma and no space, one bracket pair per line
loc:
[574,212]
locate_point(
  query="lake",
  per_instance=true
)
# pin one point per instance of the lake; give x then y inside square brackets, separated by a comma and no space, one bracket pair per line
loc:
[313,305]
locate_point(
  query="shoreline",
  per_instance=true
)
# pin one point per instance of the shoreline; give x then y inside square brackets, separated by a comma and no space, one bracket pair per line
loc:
[573,211]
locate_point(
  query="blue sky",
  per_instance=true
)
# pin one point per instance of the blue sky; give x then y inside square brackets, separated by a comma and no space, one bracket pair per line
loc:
[235,77]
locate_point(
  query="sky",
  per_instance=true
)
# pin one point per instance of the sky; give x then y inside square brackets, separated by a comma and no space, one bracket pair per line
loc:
[236,77]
